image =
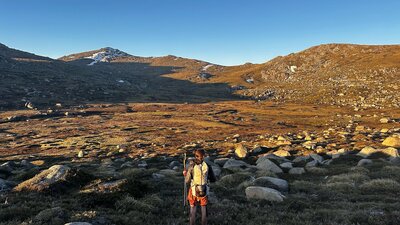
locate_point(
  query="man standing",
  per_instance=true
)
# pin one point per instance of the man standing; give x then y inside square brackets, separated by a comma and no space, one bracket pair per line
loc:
[198,175]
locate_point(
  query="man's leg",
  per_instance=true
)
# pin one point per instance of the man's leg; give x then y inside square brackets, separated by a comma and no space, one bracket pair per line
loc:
[204,215]
[192,218]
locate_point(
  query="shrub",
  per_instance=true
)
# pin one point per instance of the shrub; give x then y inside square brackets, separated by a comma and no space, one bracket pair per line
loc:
[355,178]
[378,186]
[304,186]
[147,204]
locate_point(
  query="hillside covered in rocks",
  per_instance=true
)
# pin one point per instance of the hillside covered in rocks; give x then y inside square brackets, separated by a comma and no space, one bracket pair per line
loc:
[359,76]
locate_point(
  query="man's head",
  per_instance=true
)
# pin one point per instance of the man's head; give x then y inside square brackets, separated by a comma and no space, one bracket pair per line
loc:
[199,156]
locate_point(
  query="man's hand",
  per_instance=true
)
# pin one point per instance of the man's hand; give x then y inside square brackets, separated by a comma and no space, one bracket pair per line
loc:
[184,173]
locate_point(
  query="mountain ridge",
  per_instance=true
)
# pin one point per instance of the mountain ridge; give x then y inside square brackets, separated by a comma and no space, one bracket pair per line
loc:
[359,76]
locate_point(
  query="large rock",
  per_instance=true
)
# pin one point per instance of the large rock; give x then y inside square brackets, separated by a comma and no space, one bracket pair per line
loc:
[264,193]
[272,182]
[301,159]
[273,157]
[241,151]
[286,165]
[6,185]
[392,152]
[282,153]
[268,165]
[364,162]
[367,151]
[101,187]
[221,161]
[56,178]
[313,163]
[393,141]
[317,158]
[297,170]
[233,163]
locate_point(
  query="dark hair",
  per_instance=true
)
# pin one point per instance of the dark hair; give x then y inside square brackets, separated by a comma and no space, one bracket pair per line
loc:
[200,151]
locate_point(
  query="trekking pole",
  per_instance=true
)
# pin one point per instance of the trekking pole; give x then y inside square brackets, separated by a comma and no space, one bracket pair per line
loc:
[184,185]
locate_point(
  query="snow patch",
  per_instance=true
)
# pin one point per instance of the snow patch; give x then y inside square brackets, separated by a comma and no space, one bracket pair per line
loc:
[106,55]
[206,67]
[250,80]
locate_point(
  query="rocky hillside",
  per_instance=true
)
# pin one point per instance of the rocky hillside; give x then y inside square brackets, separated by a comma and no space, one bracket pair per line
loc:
[360,76]
[41,82]
[339,74]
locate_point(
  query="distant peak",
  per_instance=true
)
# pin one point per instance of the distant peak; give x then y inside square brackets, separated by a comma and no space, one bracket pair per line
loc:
[106,55]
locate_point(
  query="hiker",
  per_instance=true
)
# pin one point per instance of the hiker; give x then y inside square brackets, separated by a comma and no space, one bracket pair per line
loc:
[198,174]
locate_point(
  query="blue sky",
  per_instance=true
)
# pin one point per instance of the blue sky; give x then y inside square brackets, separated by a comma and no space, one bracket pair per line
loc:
[227,32]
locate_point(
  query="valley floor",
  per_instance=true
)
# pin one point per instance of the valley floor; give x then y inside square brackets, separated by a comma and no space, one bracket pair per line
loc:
[141,145]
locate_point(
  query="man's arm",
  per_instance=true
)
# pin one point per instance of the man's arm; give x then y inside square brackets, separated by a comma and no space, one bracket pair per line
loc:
[189,172]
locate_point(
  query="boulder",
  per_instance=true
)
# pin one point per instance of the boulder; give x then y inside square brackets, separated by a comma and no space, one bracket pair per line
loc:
[384,120]
[367,151]
[393,141]
[272,182]
[286,165]
[268,165]
[273,157]
[301,159]
[235,164]
[313,163]
[297,170]
[221,161]
[241,151]
[281,153]
[364,162]
[56,178]
[6,185]
[317,158]
[102,187]
[392,152]
[264,193]
[174,163]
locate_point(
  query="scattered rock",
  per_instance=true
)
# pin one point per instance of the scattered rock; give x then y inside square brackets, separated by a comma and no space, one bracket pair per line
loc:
[317,158]
[367,151]
[286,165]
[313,163]
[392,152]
[297,170]
[384,120]
[268,165]
[364,162]
[272,182]
[235,164]
[80,154]
[281,153]
[221,161]
[174,163]
[264,193]
[393,141]
[56,178]
[101,187]
[143,164]
[241,151]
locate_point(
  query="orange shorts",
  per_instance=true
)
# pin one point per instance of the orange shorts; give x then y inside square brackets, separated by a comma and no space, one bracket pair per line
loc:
[193,199]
